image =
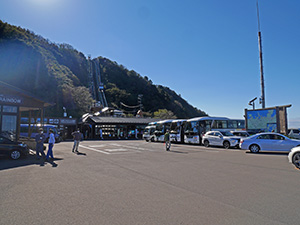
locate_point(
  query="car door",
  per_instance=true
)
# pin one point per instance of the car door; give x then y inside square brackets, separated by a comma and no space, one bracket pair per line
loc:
[211,138]
[276,143]
[265,142]
[218,139]
[279,143]
[284,143]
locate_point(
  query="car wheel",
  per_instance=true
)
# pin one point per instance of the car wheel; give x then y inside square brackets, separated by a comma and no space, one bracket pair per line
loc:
[206,143]
[226,144]
[152,139]
[296,159]
[254,148]
[15,154]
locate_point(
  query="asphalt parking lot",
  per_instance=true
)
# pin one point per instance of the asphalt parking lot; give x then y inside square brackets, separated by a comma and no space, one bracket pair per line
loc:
[135,182]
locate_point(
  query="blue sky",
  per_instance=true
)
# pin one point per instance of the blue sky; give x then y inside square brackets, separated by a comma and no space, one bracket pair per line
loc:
[207,51]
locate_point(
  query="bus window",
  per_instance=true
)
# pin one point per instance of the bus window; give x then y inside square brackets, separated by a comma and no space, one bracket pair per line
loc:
[241,124]
[192,127]
[232,124]
[220,124]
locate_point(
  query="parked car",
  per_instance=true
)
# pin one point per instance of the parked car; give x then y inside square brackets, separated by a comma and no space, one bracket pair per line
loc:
[12,149]
[294,133]
[240,133]
[220,138]
[294,156]
[268,142]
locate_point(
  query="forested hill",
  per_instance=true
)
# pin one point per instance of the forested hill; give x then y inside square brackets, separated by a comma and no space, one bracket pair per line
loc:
[58,73]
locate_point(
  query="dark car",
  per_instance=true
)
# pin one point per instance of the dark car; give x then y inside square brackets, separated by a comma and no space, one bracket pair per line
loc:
[241,133]
[12,149]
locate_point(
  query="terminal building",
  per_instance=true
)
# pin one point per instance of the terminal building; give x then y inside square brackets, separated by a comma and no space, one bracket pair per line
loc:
[97,127]
[13,101]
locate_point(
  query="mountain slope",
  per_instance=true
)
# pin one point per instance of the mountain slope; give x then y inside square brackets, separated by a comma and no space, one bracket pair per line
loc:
[59,73]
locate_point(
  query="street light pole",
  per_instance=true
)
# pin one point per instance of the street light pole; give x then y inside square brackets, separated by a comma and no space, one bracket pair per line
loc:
[262,82]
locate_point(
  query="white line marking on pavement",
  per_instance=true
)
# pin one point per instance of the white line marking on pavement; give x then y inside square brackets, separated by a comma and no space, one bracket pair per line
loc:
[96,150]
[133,147]
[97,146]
[138,148]
[117,150]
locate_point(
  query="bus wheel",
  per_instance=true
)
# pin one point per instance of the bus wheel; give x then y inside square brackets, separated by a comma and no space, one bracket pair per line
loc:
[206,143]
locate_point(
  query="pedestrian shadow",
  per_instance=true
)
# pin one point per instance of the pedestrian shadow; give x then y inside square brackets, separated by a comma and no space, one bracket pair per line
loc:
[81,153]
[179,152]
[7,163]
[52,162]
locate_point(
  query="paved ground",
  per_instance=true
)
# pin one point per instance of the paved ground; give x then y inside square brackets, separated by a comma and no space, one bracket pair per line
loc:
[134,182]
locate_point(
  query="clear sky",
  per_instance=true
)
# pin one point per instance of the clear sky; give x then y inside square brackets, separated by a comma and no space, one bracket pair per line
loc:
[207,51]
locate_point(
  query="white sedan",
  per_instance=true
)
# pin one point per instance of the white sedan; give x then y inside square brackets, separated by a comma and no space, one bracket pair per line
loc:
[294,156]
[268,142]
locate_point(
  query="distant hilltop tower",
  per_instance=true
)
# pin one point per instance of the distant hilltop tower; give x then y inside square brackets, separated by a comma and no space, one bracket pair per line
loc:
[95,84]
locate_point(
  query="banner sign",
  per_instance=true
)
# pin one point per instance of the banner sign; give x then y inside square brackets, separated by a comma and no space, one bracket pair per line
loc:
[10,99]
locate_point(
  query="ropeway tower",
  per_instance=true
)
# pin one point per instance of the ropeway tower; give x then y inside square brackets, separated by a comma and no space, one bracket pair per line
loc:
[95,84]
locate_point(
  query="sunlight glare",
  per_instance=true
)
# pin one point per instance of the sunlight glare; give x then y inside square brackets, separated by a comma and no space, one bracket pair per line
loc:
[44,2]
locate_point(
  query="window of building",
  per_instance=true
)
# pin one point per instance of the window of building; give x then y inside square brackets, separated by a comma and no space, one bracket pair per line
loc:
[9,126]
[10,109]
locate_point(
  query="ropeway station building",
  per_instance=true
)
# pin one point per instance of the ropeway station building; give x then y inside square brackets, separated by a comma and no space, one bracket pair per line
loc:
[108,127]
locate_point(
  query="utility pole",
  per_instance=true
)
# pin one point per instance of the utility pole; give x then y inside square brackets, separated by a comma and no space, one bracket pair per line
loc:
[262,82]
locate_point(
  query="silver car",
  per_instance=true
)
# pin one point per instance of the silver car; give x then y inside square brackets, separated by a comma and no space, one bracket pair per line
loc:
[268,142]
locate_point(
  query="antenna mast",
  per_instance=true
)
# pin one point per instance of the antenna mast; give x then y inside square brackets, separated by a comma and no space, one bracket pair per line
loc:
[262,82]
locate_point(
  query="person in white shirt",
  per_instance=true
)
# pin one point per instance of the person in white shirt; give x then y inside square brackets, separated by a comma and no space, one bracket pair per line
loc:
[51,144]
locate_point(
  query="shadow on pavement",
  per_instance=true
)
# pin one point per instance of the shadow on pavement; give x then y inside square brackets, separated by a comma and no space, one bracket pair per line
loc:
[178,152]
[6,163]
[81,153]
[268,153]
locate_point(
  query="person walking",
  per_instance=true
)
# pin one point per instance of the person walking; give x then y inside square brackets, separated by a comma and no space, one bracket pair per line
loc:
[167,140]
[101,134]
[39,139]
[77,137]
[50,146]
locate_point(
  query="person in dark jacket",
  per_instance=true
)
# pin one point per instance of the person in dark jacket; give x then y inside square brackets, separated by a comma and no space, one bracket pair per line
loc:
[167,140]
[77,137]
[39,139]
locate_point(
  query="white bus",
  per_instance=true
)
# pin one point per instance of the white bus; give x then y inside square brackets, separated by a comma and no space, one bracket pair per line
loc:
[148,134]
[195,128]
[177,131]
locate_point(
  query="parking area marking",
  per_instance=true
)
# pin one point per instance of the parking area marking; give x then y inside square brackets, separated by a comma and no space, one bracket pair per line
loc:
[117,150]
[124,148]
[97,146]
[114,148]
[93,149]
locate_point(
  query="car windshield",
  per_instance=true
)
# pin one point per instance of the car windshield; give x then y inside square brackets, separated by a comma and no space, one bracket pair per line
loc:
[227,133]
